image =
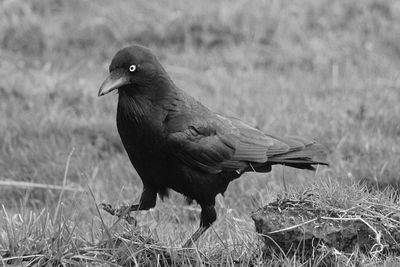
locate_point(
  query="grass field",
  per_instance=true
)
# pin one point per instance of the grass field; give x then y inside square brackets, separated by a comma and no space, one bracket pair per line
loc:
[324,69]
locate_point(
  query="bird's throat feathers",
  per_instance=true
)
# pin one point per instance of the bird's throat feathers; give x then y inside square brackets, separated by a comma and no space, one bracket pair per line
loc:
[133,109]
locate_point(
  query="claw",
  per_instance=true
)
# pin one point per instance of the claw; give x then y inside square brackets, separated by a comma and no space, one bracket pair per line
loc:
[121,212]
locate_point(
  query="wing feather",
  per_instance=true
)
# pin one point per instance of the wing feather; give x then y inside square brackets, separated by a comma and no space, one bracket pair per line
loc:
[219,144]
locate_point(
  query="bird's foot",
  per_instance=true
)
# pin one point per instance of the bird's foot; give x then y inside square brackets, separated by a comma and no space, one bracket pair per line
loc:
[122,213]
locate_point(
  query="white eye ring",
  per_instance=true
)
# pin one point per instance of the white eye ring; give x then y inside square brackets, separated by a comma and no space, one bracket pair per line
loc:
[132,68]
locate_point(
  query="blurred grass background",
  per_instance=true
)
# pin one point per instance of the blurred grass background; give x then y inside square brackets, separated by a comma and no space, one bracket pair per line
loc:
[324,69]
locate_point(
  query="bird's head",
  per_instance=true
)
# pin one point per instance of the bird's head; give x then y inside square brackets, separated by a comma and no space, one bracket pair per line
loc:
[132,69]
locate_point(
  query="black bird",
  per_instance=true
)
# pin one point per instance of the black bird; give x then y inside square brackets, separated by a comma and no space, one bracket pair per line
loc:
[174,142]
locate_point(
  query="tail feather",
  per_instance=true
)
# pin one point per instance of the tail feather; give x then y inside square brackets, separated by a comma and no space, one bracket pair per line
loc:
[300,164]
[299,157]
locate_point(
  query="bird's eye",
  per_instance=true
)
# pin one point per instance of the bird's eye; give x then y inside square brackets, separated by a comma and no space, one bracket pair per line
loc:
[132,68]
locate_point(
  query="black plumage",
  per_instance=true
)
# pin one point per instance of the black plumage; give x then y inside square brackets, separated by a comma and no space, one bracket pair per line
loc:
[174,142]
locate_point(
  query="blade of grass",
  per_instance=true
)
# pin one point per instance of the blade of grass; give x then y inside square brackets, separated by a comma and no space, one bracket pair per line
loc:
[64,183]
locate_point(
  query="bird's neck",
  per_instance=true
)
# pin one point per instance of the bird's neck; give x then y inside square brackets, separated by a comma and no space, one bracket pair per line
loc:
[133,110]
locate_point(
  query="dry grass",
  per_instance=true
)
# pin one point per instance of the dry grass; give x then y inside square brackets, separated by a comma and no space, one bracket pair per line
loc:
[325,69]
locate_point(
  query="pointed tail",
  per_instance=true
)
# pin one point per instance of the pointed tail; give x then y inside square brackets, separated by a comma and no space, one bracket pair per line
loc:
[301,154]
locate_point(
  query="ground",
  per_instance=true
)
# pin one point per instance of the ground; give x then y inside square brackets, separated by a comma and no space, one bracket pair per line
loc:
[324,69]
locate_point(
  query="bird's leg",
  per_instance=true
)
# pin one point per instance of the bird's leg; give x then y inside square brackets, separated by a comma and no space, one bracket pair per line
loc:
[147,201]
[196,235]
[207,217]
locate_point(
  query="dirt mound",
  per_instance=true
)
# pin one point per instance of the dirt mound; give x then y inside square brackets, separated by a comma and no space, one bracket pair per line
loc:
[305,227]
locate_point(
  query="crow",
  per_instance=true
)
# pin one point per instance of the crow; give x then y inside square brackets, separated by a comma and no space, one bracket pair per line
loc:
[175,142]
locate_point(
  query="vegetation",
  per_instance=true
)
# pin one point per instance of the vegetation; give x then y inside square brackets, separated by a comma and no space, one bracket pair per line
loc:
[324,69]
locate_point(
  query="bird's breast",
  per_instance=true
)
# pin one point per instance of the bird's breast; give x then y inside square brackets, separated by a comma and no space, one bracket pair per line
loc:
[144,140]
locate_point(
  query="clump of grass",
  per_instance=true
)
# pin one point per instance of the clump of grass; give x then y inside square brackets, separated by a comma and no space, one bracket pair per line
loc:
[42,240]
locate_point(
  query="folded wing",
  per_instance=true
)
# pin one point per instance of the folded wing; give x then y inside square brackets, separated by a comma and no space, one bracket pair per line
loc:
[216,144]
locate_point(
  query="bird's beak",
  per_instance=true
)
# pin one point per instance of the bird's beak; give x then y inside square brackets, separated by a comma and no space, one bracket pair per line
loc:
[113,81]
